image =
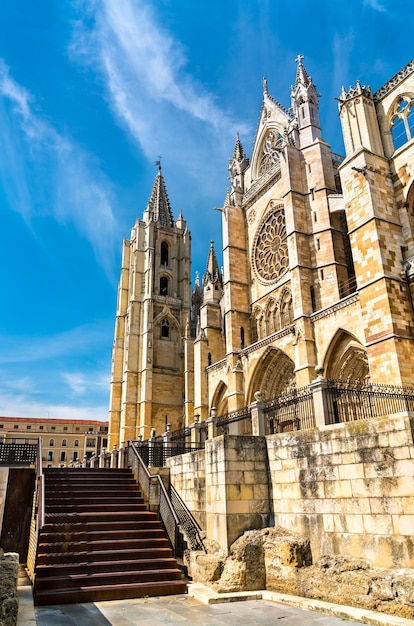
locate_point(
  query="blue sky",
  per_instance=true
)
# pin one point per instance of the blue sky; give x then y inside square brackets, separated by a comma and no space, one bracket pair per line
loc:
[91,93]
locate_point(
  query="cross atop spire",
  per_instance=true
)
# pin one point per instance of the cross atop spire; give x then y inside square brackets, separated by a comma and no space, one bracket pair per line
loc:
[158,203]
[238,153]
[212,270]
[301,74]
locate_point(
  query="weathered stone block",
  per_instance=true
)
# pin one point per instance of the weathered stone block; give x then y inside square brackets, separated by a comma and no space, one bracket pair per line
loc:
[378,524]
[9,602]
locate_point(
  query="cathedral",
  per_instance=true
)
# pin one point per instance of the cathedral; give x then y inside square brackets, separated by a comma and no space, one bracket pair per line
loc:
[317,277]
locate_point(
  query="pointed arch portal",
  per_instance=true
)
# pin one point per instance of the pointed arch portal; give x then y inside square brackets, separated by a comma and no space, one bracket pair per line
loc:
[274,374]
[347,359]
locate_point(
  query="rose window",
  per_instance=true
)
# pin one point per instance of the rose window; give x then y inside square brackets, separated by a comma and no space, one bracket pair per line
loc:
[270,253]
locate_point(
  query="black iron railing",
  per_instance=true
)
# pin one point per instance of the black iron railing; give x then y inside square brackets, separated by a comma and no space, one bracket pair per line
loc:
[349,401]
[222,422]
[290,411]
[188,524]
[18,453]
[157,497]
[155,453]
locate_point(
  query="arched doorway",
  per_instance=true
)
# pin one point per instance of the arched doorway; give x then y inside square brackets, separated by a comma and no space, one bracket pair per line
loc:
[346,359]
[273,375]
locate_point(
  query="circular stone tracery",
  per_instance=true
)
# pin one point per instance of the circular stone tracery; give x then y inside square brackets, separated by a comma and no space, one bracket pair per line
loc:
[270,253]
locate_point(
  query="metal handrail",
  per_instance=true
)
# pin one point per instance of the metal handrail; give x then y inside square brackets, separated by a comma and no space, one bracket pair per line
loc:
[40,487]
[188,523]
[38,513]
[163,503]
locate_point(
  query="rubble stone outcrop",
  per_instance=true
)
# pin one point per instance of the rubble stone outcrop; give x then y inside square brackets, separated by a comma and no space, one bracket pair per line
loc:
[277,560]
[9,603]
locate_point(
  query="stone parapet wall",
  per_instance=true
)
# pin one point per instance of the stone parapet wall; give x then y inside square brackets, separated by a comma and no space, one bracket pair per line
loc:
[349,488]
[237,489]
[188,477]
[9,601]
[4,477]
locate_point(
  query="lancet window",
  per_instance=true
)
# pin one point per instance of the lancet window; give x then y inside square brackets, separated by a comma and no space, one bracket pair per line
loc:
[402,121]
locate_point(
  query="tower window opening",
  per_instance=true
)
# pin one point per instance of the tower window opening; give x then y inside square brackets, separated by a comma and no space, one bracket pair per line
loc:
[164,253]
[164,286]
[165,328]
[241,337]
[402,122]
[313,299]
[209,360]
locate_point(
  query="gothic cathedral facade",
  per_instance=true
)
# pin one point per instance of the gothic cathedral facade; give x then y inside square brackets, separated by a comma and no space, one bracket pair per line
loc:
[317,278]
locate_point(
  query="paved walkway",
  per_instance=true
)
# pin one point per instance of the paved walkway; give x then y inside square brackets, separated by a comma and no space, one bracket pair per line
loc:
[200,607]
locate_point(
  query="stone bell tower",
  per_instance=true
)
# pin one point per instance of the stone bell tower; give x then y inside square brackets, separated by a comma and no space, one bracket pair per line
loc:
[154,300]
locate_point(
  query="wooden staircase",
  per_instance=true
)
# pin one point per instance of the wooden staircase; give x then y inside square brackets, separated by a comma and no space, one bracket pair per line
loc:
[99,542]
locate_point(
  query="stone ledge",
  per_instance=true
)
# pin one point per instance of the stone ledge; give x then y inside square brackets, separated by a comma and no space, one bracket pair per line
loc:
[374,618]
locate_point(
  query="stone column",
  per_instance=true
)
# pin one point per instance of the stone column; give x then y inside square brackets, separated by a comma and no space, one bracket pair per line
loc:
[211,424]
[320,400]
[114,457]
[101,460]
[195,431]
[258,416]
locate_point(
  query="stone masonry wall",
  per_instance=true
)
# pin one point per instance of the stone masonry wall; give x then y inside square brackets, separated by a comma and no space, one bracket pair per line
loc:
[349,488]
[4,476]
[225,486]
[188,476]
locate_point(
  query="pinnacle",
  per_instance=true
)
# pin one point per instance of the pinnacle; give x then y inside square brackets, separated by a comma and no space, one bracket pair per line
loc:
[159,203]
[302,76]
[239,153]
[212,270]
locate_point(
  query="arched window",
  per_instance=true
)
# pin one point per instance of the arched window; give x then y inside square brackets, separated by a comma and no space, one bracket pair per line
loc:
[241,337]
[402,121]
[165,328]
[76,443]
[164,253]
[209,358]
[52,442]
[64,443]
[163,286]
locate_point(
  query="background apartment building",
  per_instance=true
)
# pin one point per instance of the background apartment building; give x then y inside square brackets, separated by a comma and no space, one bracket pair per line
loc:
[63,440]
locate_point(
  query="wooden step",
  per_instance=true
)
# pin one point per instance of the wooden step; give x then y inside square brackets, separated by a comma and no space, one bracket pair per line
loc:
[96,535]
[127,565]
[75,581]
[99,541]
[104,544]
[110,592]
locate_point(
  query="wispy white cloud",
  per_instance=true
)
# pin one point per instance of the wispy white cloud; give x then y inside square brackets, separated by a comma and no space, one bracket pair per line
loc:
[79,192]
[12,405]
[80,382]
[151,90]
[76,341]
[376,5]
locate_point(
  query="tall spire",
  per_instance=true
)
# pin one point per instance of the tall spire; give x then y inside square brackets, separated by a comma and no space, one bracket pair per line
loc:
[305,105]
[302,77]
[212,273]
[158,203]
[239,153]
